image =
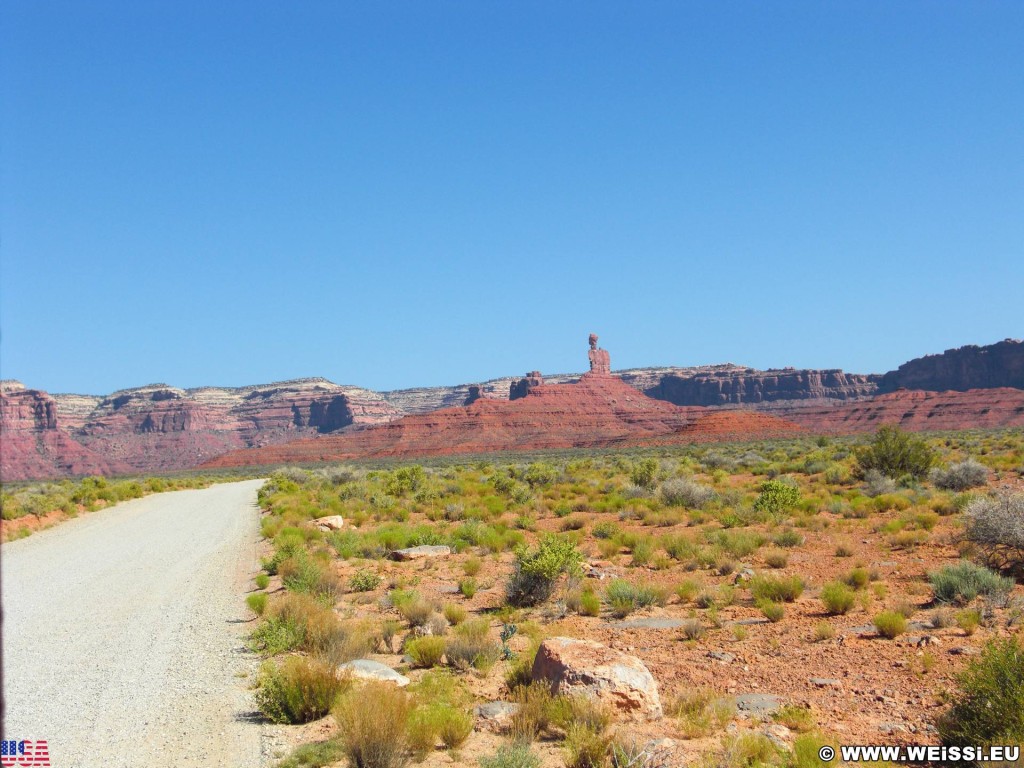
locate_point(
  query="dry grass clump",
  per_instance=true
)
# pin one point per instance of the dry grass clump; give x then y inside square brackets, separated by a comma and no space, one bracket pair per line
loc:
[471,645]
[700,713]
[377,735]
[298,691]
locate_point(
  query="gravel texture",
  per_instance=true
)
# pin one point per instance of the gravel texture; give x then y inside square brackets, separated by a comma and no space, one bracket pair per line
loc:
[124,634]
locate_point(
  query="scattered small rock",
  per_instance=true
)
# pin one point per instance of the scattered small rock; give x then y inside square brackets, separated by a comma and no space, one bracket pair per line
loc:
[724,656]
[758,703]
[496,714]
[421,552]
[367,669]
[965,650]
[650,623]
[329,523]
[826,682]
[892,727]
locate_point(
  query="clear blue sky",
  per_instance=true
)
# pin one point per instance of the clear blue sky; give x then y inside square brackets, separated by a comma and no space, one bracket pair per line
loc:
[411,193]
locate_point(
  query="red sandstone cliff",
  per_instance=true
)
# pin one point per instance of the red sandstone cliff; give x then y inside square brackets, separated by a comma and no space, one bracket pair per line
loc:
[970,367]
[599,410]
[33,445]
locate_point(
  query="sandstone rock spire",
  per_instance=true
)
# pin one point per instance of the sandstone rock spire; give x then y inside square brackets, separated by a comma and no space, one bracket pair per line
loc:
[600,362]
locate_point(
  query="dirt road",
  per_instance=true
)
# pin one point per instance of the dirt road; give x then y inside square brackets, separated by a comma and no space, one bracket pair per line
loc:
[124,633]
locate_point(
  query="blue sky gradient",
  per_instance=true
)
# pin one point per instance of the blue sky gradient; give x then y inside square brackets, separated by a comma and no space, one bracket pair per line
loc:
[418,193]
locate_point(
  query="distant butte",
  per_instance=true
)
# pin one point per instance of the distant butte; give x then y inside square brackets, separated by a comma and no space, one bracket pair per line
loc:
[600,410]
[159,428]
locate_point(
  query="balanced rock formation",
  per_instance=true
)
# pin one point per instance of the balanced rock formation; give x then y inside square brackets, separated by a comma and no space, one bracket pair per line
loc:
[599,410]
[588,668]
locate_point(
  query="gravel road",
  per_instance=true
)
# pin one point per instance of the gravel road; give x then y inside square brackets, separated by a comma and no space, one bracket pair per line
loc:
[124,634]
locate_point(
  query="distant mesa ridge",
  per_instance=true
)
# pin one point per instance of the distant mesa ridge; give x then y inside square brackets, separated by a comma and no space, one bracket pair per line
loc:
[159,427]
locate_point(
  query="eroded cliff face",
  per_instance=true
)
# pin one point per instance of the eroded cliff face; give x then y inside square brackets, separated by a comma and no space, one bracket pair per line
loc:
[598,410]
[970,367]
[732,385]
[158,427]
[34,445]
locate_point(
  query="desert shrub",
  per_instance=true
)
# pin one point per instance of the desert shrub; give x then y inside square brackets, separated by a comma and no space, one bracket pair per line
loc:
[580,710]
[467,587]
[455,614]
[776,497]
[858,578]
[540,474]
[375,736]
[838,598]
[364,580]
[988,708]
[996,527]
[895,453]
[960,476]
[890,624]
[537,570]
[534,713]
[796,718]
[257,602]
[691,629]
[776,589]
[472,646]
[964,581]
[644,473]
[585,748]
[426,651]
[624,598]
[749,750]
[776,558]
[968,620]
[772,610]
[514,755]
[262,581]
[298,691]
[877,484]
[315,755]
[471,567]
[684,492]
[788,538]
[823,631]
[520,670]
[605,530]
[700,713]
[303,573]
[296,621]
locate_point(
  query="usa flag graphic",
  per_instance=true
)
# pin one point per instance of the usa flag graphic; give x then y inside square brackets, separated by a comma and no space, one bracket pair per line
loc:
[26,753]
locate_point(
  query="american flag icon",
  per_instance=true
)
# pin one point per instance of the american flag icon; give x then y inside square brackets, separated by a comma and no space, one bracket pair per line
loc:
[24,753]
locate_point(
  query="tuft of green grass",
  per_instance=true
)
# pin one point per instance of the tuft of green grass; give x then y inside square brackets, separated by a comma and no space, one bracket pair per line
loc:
[890,624]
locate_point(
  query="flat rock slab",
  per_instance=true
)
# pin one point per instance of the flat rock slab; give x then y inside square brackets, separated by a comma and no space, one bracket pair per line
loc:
[367,669]
[651,623]
[496,714]
[752,622]
[329,523]
[723,656]
[758,703]
[421,552]
[826,682]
